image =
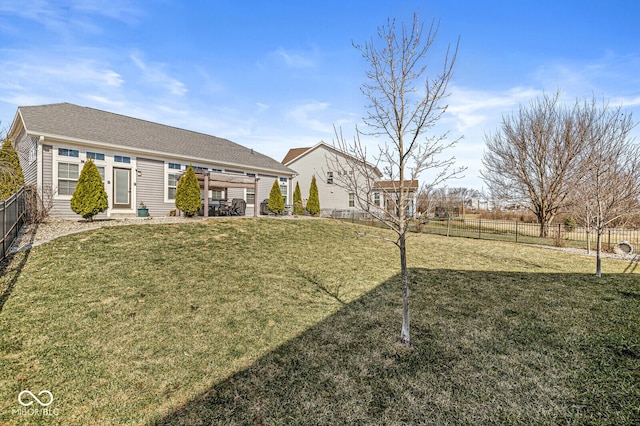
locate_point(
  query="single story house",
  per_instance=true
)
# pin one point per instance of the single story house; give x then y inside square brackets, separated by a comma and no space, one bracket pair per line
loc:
[140,161]
[390,189]
[331,166]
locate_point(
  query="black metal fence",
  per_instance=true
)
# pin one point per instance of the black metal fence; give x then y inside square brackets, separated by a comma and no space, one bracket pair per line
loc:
[531,233]
[516,231]
[12,216]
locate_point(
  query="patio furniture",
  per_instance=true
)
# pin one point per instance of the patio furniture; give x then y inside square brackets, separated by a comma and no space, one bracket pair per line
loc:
[264,207]
[238,207]
[223,208]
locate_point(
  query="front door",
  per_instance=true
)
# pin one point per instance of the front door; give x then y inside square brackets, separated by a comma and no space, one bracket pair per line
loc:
[121,188]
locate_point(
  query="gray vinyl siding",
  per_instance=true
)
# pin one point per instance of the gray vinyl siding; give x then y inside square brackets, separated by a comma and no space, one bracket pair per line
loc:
[47,166]
[235,193]
[264,189]
[61,208]
[23,147]
[150,187]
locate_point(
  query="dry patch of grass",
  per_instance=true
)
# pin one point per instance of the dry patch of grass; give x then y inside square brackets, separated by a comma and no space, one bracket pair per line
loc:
[273,321]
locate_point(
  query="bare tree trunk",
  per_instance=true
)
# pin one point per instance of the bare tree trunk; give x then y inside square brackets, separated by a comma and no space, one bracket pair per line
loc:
[404,335]
[598,250]
[543,228]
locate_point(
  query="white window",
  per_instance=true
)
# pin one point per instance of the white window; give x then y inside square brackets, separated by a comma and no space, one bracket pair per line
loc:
[64,152]
[122,159]
[67,178]
[376,198]
[174,166]
[352,198]
[101,171]
[95,156]
[33,151]
[283,191]
[251,196]
[330,178]
[172,185]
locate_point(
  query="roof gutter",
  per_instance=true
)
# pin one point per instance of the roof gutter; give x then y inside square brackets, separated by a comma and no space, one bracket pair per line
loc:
[58,138]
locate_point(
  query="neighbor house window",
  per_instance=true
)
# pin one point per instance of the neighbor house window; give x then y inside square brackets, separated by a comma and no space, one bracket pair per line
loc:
[251,196]
[283,191]
[174,166]
[217,194]
[330,178]
[95,156]
[101,171]
[67,178]
[172,185]
[376,198]
[121,159]
[33,152]
[352,199]
[199,169]
[68,152]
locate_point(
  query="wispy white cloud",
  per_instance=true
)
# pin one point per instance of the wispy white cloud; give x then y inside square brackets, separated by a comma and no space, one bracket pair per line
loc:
[72,15]
[28,77]
[295,58]
[154,75]
[308,115]
[472,108]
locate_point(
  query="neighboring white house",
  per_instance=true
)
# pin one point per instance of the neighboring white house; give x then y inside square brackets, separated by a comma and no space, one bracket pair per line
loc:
[326,163]
[330,167]
[140,161]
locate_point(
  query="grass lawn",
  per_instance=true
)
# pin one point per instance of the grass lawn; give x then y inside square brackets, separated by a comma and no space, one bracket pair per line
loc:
[263,321]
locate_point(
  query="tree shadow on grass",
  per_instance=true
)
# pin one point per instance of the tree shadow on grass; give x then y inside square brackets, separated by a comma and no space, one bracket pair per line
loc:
[11,267]
[488,347]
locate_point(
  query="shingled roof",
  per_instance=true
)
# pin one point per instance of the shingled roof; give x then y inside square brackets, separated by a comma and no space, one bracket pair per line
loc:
[83,124]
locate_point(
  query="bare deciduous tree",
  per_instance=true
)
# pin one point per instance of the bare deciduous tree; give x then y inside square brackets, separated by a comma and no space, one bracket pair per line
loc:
[608,184]
[535,153]
[405,102]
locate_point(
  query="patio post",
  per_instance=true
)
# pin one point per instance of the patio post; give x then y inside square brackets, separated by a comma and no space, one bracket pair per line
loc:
[256,206]
[205,207]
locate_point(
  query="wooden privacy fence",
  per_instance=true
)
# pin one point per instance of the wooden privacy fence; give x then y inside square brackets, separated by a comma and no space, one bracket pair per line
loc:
[12,216]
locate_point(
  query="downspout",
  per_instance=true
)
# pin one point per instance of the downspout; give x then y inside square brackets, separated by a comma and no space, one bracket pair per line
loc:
[40,167]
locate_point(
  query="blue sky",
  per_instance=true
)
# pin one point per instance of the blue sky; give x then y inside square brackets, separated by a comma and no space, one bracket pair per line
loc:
[272,75]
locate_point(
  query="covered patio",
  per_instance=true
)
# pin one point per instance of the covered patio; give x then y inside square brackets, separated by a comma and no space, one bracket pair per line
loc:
[222,182]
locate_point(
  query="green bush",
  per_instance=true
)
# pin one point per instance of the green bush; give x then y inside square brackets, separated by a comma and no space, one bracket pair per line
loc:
[276,203]
[313,203]
[570,224]
[298,208]
[89,198]
[11,178]
[188,198]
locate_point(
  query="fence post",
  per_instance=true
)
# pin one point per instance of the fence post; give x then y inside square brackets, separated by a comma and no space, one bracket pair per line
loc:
[448,224]
[609,238]
[479,229]
[516,231]
[4,228]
